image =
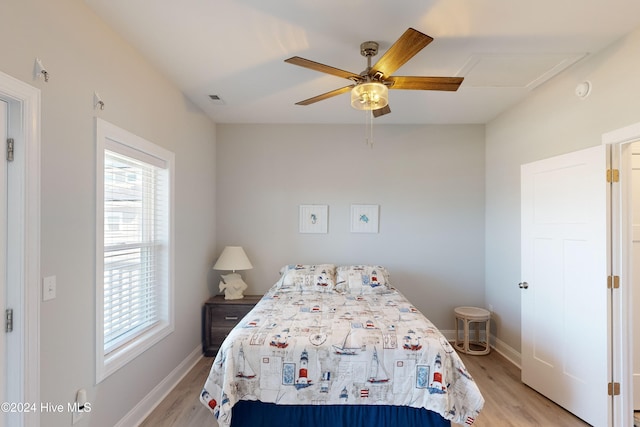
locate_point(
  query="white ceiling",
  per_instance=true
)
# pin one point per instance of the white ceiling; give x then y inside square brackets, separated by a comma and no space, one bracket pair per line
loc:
[236,49]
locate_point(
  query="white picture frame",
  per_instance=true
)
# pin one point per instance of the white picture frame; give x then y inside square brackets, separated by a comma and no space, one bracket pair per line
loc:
[313,218]
[364,218]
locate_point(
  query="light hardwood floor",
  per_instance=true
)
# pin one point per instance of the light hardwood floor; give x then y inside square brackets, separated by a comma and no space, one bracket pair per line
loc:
[508,402]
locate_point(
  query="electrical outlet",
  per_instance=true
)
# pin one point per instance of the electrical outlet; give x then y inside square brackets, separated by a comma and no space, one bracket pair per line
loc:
[79,406]
[491,308]
[76,416]
[48,288]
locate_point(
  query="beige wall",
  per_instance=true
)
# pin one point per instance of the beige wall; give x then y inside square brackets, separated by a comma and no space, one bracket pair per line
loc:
[428,181]
[551,121]
[82,55]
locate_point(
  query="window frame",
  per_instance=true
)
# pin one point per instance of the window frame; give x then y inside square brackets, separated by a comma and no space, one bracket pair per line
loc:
[112,138]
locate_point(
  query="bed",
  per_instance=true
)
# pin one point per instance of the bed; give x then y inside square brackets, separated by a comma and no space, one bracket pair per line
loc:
[338,346]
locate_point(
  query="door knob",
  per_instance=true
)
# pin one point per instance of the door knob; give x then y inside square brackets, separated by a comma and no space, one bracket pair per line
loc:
[523,285]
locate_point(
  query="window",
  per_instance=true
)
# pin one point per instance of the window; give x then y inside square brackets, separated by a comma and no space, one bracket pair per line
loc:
[134,255]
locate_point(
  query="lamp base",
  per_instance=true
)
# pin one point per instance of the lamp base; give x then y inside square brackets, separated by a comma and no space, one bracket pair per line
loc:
[233,286]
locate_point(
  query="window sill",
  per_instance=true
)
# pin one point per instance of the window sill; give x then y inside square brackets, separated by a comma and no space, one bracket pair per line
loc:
[116,359]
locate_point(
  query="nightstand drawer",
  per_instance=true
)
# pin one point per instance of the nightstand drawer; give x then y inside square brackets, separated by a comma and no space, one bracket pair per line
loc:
[218,335]
[229,314]
[220,316]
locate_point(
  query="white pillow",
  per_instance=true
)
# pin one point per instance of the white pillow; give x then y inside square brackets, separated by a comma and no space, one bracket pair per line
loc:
[359,279]
[307,278]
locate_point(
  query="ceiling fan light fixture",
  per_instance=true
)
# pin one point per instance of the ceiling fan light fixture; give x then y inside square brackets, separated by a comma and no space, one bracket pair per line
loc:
[369,96]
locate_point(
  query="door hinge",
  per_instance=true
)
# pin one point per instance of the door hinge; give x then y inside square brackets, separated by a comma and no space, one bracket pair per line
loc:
[8,320]
[613,175]
[613,389]
[613,282]
[10,149]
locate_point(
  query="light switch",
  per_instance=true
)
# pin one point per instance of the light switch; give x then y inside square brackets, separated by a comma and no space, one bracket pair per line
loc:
[48,288]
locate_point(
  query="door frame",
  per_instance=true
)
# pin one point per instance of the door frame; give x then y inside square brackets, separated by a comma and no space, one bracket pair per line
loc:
[24,127]
[634,194]
[621,246]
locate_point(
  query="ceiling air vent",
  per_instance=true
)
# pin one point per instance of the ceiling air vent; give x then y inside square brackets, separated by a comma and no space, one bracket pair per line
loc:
[216,99]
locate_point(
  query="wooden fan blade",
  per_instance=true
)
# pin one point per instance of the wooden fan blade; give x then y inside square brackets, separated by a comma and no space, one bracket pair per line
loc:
[306,63]
[425,83]
[381,111]
[405,48]
[325,95]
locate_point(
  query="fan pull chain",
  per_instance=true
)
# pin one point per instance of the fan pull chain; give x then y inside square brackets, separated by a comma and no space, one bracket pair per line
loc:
[368,128]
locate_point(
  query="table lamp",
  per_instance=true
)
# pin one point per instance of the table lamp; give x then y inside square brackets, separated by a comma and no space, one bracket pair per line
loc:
[232,258]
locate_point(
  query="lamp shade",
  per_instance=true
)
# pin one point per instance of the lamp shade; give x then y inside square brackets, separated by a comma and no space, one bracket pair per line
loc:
[369,96]
[233,258]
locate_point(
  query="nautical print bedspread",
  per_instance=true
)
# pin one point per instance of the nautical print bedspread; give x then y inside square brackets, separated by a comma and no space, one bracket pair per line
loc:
[338,348]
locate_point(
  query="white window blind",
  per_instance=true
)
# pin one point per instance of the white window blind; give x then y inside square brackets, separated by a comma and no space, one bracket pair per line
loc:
[134,246]
[134,235]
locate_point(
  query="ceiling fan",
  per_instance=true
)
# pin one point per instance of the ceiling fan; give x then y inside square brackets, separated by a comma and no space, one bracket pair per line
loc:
[369,90]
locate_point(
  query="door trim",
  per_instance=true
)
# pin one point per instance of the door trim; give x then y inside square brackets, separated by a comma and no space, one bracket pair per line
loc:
[24,124]
[622,338]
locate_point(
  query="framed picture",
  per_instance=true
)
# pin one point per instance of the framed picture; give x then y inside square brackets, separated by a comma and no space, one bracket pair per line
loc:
[364,218]
[313,218]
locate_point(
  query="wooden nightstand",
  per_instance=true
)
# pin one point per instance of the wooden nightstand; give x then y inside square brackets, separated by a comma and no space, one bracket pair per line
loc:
[220,316]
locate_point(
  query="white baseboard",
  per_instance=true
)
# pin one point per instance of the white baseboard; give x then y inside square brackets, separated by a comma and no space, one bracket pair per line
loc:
[507,351]
[142,410]
[511,354]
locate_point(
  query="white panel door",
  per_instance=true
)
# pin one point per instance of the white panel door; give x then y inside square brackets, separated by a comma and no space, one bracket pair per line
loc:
[565,350]
[3,258]
[635,274]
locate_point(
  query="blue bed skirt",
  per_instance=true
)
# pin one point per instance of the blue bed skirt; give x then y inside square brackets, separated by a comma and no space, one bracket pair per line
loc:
[258,414]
